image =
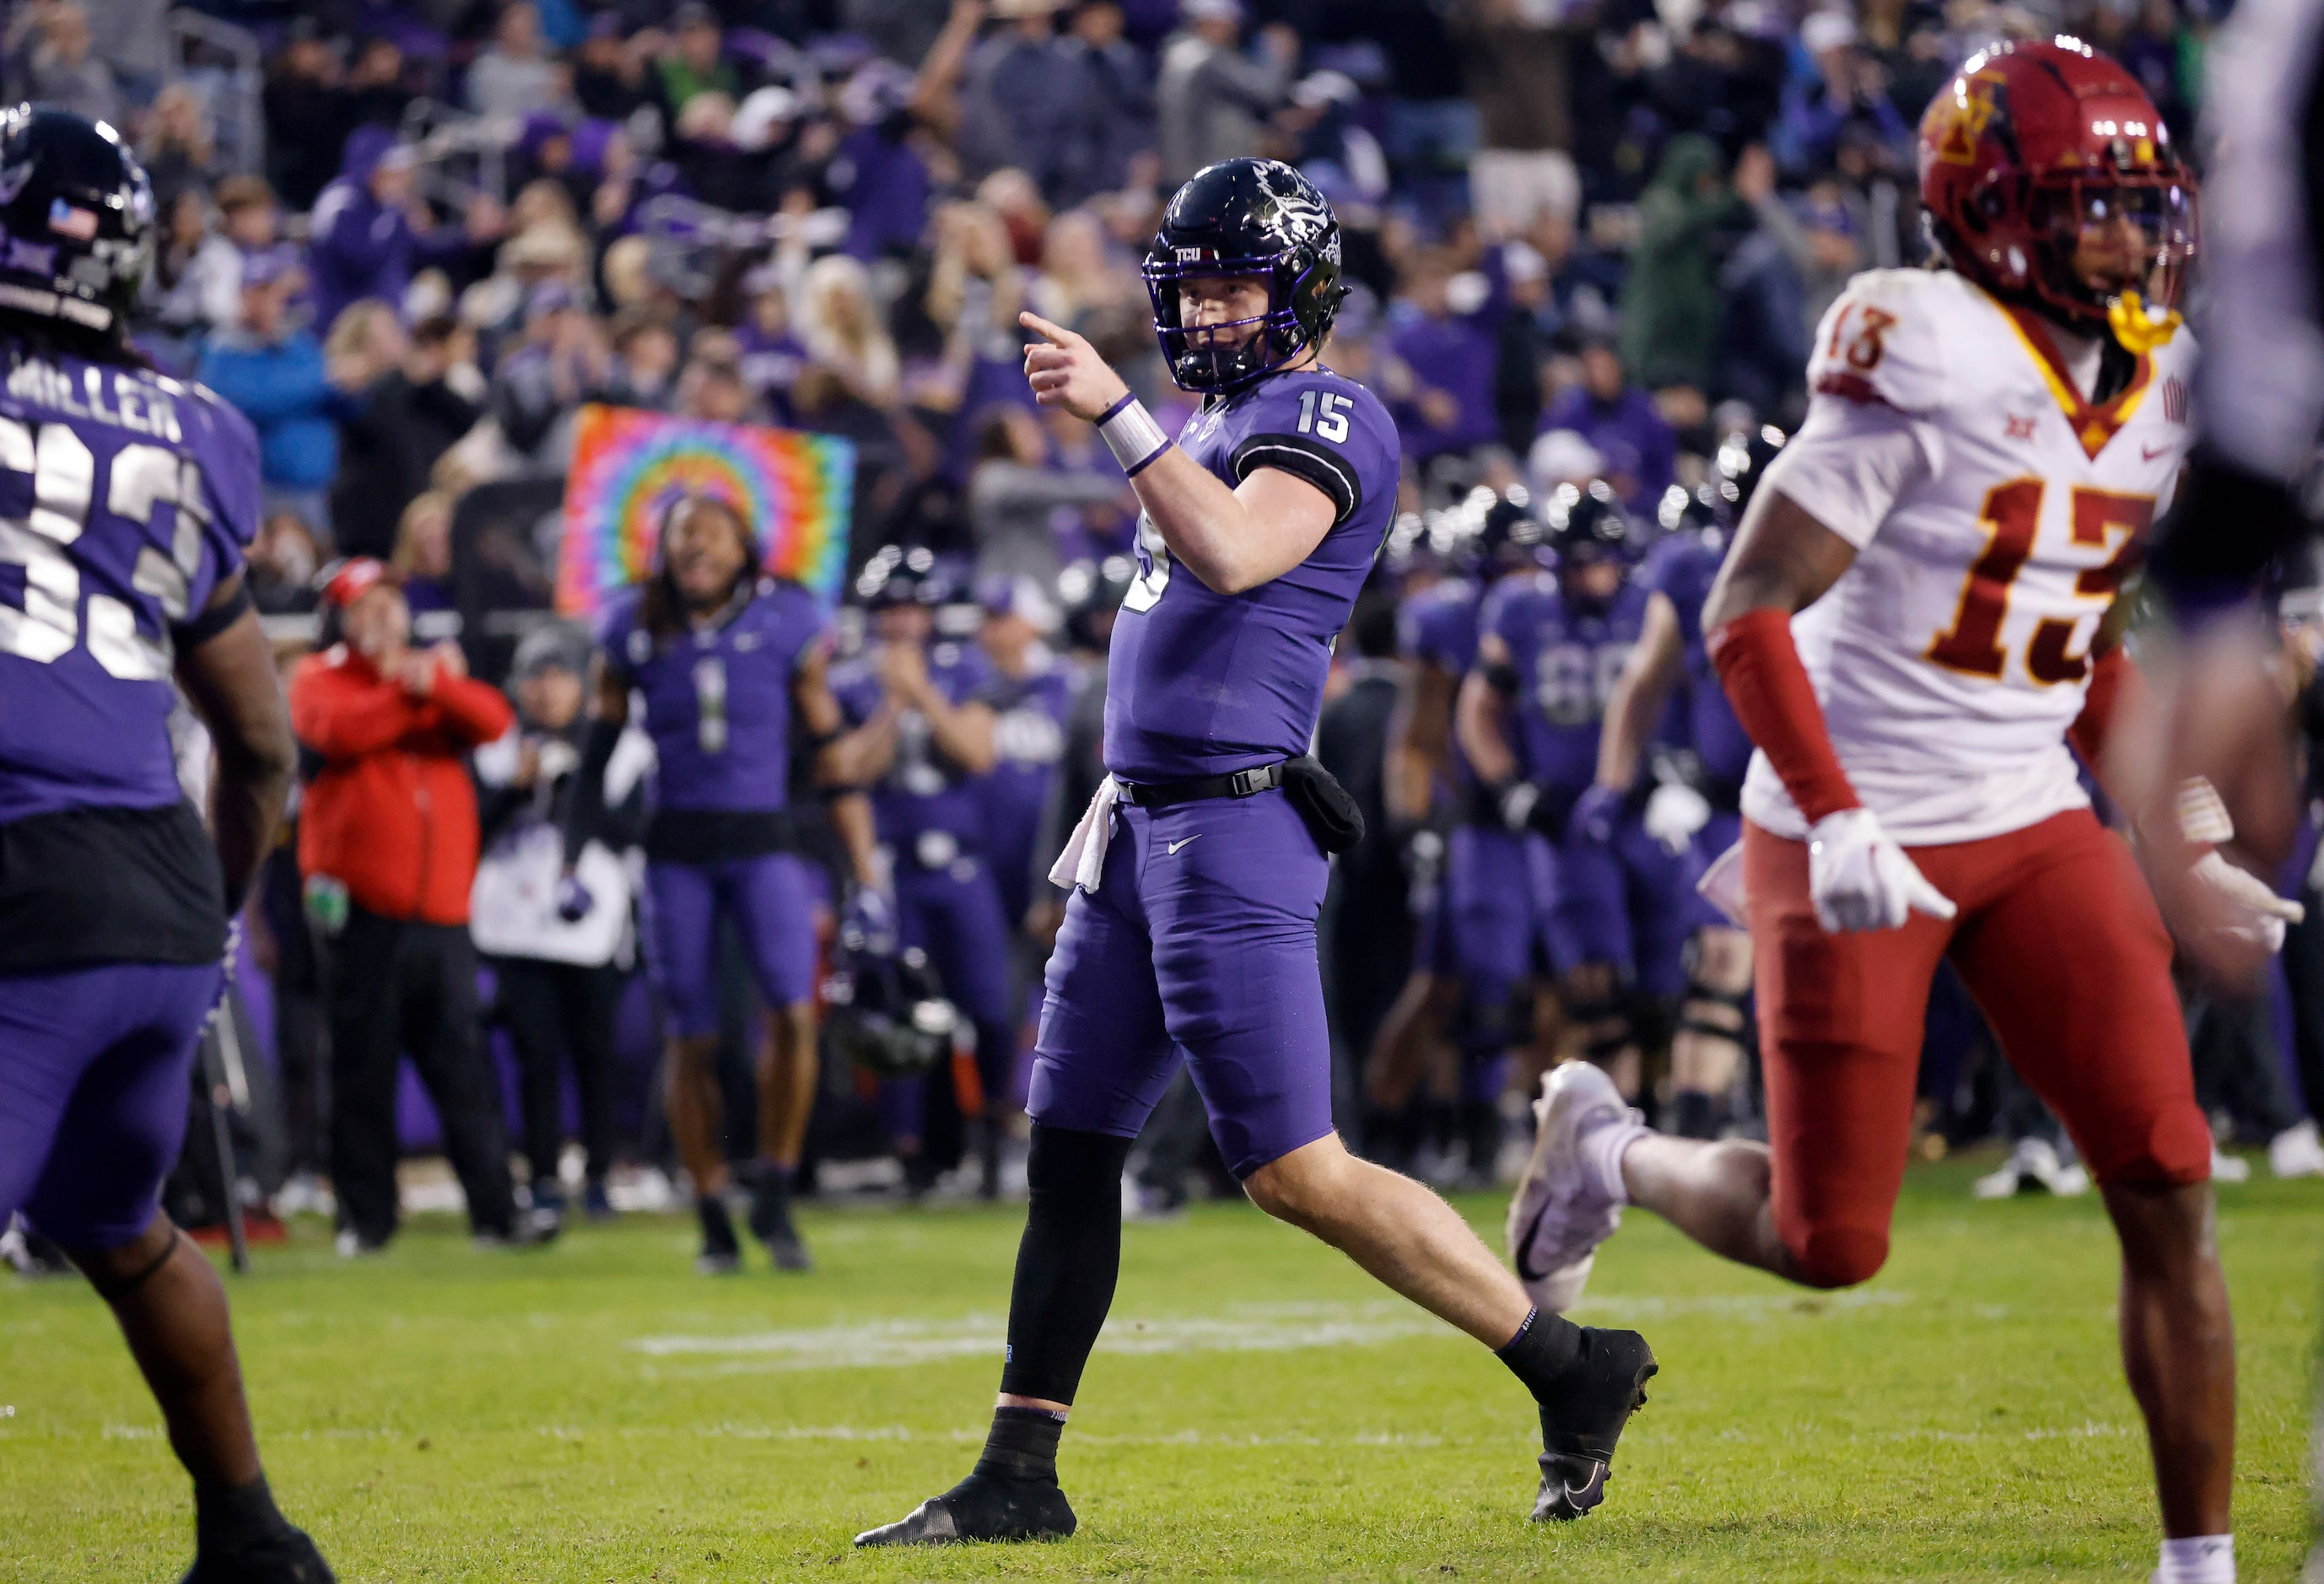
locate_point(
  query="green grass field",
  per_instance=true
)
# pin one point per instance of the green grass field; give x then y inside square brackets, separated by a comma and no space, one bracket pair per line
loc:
[1257,1409]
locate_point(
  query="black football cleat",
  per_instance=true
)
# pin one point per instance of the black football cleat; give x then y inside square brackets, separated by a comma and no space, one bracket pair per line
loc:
[1584,1417]
[981,1507]
[287,1556]
[770,1224]
[722,1251]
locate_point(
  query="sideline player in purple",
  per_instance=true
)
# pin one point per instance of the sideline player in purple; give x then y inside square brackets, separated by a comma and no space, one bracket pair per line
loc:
[125,502]
[1553,647]
[1199,868]
[730,667]
[1696,807]
[1476,945]
[923,735]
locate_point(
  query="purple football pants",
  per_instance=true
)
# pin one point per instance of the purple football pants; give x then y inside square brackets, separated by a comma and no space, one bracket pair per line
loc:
[95,1073]
[1628,903]
[955,915]
[1200,943]
[771,901]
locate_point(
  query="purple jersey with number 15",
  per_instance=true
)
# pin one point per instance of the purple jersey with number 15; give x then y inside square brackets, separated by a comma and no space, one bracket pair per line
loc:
[125,499]
[1199,683]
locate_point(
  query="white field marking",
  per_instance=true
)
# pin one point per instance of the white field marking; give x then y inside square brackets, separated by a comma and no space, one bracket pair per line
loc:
[1241,1327]
[965,1437]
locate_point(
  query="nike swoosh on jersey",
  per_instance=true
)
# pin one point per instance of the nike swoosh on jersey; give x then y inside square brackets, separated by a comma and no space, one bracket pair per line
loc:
[2152,453]
[1172,846]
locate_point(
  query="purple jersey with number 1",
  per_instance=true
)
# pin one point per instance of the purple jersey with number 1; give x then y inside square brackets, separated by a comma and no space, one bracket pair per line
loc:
[1199,683]
[718,697]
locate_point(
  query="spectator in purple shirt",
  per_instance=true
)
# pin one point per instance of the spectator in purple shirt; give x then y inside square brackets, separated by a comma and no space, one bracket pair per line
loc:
[1639,450]
[367,236]
[1440,374]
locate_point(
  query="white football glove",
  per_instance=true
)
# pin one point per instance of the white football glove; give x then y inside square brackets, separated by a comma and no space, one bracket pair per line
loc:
[1674,813]
[2248,907]
[2253,912]
[1859,879]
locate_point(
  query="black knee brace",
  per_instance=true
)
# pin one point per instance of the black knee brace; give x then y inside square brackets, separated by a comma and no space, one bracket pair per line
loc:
[1068,1261]
[1604,1026]
[1692,1021]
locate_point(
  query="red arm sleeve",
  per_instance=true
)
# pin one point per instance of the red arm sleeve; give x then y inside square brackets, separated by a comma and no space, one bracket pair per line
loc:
[473,710]
[340,717]
[2117,684]
[1760,669]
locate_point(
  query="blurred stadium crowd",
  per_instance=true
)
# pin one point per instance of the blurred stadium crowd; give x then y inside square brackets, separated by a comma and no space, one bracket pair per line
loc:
[1590,241]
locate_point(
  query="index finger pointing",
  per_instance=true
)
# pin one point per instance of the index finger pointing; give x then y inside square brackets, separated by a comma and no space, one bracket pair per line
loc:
[1054,335]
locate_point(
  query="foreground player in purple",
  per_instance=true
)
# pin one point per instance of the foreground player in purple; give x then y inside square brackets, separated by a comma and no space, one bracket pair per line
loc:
[1199,868]
[125,502]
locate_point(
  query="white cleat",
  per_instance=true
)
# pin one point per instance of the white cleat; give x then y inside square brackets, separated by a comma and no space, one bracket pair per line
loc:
[2296,1152]
[2229,1168]
[1563,1209]
[2035,1162]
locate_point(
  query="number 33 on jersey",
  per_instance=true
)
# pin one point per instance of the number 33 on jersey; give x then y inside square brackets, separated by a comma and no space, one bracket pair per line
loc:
[1996,511]
[125,499]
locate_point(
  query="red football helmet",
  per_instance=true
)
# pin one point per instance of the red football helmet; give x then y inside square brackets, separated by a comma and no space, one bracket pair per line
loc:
[2037,151]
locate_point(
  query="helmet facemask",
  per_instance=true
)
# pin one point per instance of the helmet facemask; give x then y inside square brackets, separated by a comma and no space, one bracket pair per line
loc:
[1199,359]
[2112,248]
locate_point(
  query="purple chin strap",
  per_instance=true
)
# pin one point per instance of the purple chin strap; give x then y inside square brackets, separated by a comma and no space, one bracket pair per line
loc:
[1278,329]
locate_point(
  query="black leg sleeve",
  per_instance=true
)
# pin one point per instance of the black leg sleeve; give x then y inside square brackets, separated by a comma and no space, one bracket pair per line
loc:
[1067,1263]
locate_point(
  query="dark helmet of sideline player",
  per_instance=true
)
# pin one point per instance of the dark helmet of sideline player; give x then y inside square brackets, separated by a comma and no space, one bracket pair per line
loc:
[1092,593]
[1700,510]
[895,576]
[2035,144]
[1509,536]
[79,217]
[1245,217]
[1741,463]
[1586,529]
[888,1015]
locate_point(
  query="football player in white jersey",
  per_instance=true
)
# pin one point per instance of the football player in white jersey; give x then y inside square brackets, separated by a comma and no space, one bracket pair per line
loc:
[1911,626]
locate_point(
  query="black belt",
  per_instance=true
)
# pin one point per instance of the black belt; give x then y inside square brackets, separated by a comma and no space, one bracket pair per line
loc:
[1248,783]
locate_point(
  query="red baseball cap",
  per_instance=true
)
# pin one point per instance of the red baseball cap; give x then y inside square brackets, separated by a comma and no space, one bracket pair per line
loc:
[354,577]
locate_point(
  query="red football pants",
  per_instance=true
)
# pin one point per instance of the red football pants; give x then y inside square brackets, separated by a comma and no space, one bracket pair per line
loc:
[2058,941]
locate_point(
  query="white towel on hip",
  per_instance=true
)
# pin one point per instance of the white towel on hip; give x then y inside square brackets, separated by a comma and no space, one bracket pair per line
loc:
[1083,862]
[1721,886]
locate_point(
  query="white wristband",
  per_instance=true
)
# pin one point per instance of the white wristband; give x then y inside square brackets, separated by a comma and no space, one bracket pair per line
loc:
[1133,436]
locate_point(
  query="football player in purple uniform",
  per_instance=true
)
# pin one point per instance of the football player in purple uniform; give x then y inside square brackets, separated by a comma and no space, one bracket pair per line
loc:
[727,662]
[1199,868]
[1474,949]
[1553,648]
[923,737]
[127,503]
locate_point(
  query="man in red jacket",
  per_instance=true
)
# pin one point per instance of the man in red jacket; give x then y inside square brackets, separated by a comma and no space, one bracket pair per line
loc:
[387,842]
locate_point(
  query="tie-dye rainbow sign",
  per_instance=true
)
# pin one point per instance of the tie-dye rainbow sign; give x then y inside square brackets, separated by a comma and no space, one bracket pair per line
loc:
[794,491]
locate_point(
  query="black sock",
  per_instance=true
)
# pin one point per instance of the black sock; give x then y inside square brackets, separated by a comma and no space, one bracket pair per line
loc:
[1695,1115]
[229,1517]
[1544,1345]
[1066,1261]
[1022,1445]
